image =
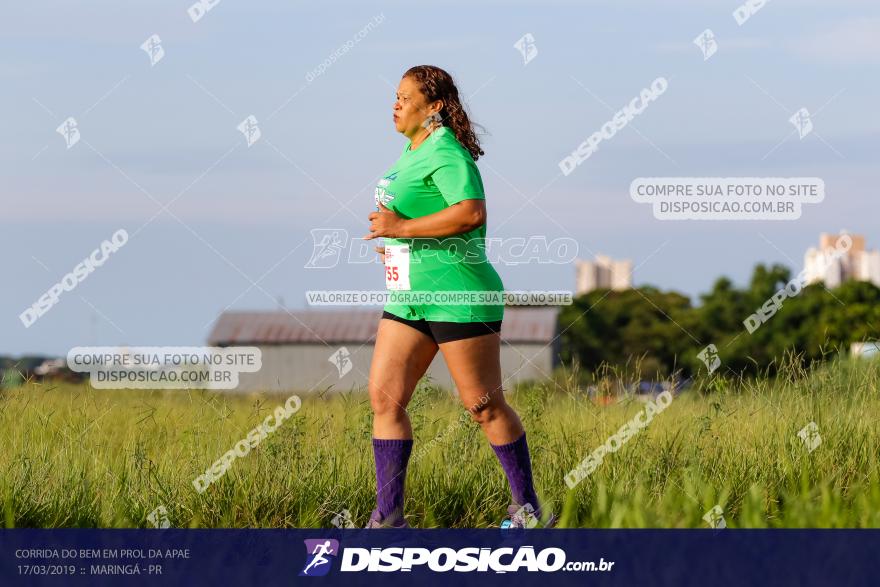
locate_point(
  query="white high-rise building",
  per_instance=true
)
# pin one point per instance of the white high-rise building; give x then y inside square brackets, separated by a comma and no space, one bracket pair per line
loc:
[826,264]
[602,273]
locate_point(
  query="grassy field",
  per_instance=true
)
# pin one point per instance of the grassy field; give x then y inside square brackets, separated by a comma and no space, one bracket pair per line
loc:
[78,457]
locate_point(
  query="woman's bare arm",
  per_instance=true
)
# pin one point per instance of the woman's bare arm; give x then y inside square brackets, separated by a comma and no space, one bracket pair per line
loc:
[458,218]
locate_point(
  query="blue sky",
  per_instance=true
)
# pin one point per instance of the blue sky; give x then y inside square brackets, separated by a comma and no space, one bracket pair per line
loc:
[242,215]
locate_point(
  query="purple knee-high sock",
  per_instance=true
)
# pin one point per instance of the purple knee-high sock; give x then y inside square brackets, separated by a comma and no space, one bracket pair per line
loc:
[517,466]
[391,459]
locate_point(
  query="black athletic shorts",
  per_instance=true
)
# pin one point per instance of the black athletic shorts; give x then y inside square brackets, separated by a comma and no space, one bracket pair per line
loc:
[448,331]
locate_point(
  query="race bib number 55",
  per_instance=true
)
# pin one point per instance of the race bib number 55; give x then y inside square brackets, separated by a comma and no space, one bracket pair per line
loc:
[397,267]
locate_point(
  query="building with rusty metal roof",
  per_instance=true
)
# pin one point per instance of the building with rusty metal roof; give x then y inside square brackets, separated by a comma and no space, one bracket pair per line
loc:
[313,350]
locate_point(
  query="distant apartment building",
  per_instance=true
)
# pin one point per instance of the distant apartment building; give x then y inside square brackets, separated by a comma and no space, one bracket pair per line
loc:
[602,273]
[824,264]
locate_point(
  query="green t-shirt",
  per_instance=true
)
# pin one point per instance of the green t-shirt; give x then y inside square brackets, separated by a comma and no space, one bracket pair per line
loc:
[438,174]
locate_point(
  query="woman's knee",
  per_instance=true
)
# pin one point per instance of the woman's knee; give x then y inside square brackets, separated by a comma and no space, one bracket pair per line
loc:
[484,413]
[384,404]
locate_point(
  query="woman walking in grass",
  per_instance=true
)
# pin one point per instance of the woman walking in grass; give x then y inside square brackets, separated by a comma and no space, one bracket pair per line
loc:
[429,204]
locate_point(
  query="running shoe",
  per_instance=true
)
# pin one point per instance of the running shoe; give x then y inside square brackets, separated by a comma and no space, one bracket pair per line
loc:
[377,521]
[525,517]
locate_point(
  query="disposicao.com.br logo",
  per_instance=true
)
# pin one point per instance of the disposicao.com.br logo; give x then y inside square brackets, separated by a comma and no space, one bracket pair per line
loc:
[442,559]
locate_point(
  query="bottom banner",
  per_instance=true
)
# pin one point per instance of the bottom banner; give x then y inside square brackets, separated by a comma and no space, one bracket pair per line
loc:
[398,557]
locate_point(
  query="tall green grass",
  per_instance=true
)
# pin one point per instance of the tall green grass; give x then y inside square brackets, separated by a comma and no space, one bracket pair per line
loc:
[73,456]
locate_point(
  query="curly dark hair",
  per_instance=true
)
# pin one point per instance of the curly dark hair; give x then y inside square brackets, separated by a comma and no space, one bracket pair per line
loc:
[437,84]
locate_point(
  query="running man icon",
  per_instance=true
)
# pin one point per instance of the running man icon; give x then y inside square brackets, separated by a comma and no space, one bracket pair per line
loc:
[318,552]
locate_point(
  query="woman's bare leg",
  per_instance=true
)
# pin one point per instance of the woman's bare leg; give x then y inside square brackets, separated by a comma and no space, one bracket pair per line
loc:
[475,365]
[400,358]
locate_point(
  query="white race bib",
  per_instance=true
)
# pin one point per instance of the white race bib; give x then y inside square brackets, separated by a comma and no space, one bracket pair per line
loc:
[397,267]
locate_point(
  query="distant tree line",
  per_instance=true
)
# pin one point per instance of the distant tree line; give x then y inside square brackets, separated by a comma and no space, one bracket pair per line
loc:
[664,331]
